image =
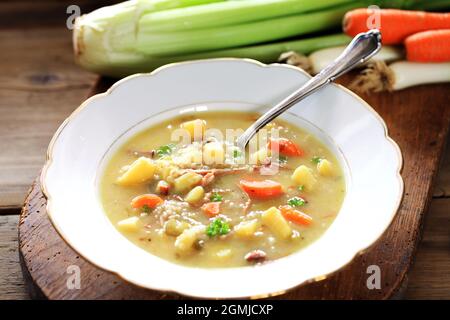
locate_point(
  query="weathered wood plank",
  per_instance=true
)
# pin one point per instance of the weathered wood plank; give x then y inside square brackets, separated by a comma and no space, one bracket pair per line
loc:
[12,285]
[442,187]
[39,86]
[430,276]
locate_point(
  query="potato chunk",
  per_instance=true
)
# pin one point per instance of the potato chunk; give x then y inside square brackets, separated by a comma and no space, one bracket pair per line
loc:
[195,128]
[246,229]
[186,240]
[274,220]
[131,224]
[195,195]
[213,153]
[259,156]
[173,227]
[325,168]
[187,181]
[164,169]
[303,176]
[141,170]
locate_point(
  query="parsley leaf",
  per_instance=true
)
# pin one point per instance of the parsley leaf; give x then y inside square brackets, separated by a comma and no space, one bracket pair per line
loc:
[165,150]
[296,202]
[236,154]
[301,188]
[145,208]
[217,227]
[216,197]
[316,159]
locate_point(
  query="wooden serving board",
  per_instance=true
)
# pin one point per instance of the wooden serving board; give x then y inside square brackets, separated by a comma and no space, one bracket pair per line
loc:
[418,120]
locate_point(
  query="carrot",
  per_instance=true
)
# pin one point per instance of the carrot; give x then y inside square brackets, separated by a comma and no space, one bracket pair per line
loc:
[428,46]
[261,189]
[295,216]
[285,147]
[211,209]
[395,25]
[149,200]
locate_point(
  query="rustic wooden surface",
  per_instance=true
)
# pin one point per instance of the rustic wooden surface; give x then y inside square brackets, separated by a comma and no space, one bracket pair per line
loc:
[40,86]
[430,276]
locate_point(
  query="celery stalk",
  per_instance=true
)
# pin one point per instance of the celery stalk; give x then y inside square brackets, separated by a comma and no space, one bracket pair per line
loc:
[232,12]
[117,23]
[159,5]
[109,33]
[192,41]
[229,13]
[140,35]
[271,52]
[120,65]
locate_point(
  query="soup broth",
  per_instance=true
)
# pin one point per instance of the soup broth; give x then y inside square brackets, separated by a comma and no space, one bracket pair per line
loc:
[248,208]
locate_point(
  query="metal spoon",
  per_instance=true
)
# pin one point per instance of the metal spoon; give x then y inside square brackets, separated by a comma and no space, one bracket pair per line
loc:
[360,49]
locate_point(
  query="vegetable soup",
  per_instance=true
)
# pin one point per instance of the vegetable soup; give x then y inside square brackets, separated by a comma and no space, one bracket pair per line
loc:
[206,203]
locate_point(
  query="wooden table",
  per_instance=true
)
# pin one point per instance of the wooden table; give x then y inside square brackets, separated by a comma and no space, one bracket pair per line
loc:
[40,86]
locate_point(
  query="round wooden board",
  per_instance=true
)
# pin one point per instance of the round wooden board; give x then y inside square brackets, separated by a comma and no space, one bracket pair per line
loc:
[47,259]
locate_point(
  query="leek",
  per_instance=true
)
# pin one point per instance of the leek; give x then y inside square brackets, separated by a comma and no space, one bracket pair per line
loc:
[318,60]
[378,76]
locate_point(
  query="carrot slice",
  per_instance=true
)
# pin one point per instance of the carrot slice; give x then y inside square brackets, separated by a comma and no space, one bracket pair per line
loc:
[285,147]
[395,25]
[428,46]
[149,200]
[295,216]
[261,189]
[211,209]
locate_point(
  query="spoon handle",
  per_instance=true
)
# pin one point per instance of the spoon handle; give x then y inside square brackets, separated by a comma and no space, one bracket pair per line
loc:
[360,49]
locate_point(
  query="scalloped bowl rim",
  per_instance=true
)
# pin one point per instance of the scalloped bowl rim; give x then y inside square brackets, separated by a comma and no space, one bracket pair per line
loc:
[189,291]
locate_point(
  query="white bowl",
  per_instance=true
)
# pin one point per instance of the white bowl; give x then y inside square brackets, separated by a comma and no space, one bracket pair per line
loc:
[78,151]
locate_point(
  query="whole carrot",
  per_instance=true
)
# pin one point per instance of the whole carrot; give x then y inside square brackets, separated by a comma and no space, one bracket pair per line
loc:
[395,25]
[428,46]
